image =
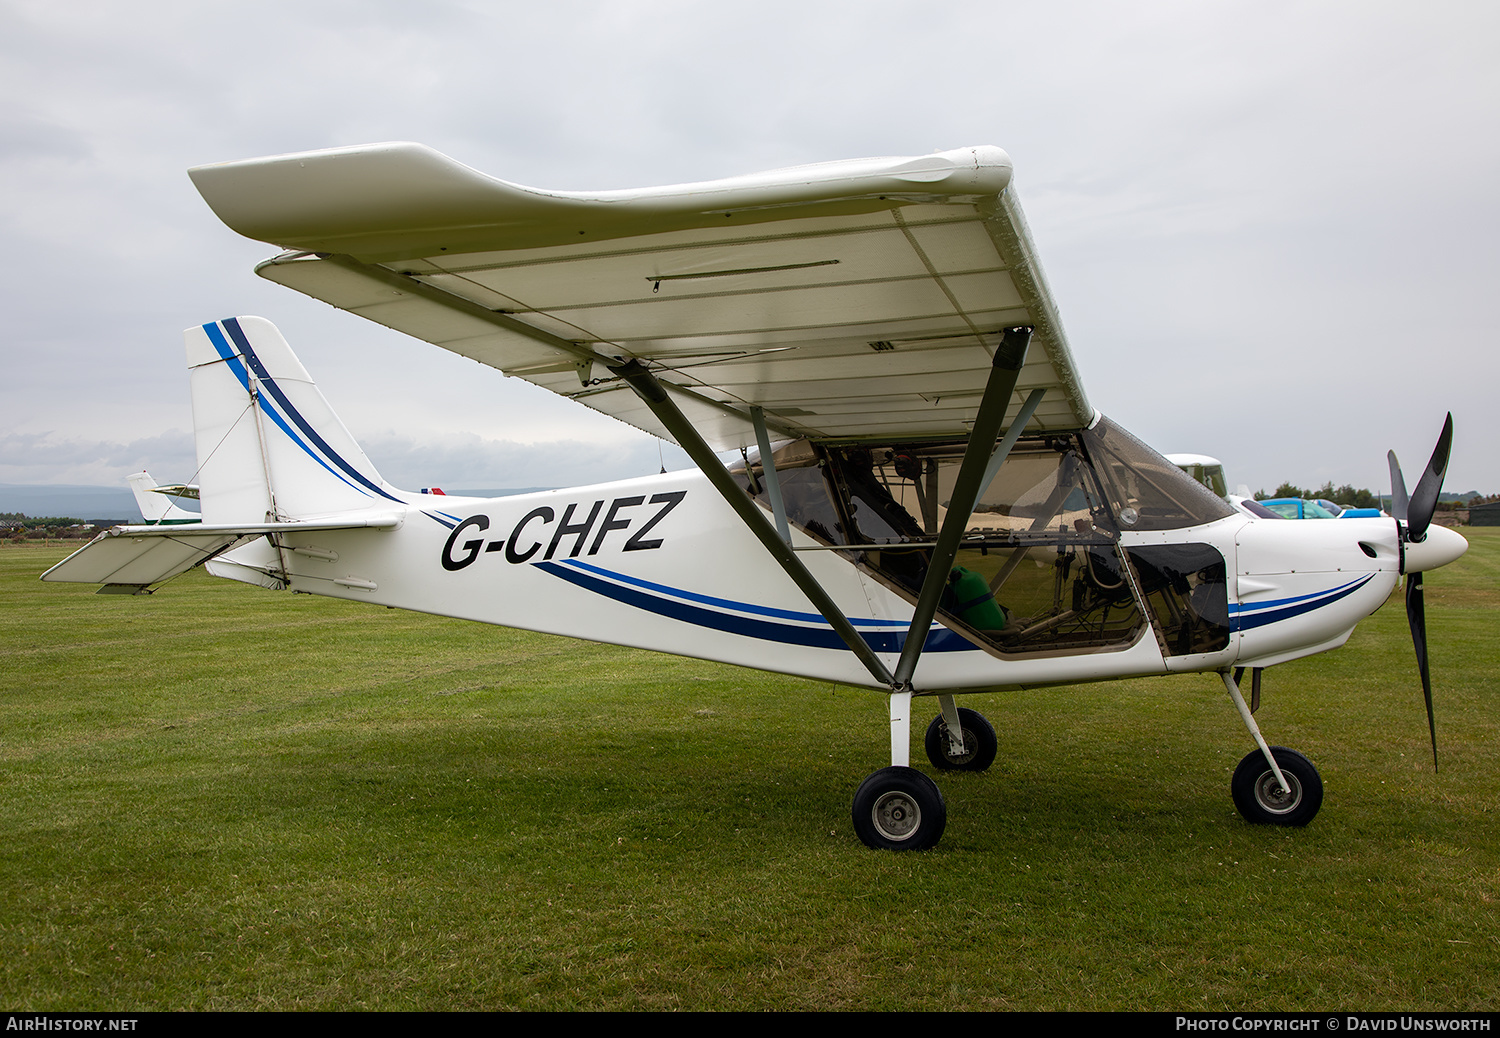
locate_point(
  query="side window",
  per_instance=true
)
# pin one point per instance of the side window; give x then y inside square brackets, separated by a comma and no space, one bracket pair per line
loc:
[804,491]
[1185,588]
[1038,570]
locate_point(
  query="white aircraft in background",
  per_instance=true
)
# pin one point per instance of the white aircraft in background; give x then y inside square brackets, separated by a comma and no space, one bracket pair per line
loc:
[1210,472]
[925,503]
[153,500]
[1204,469]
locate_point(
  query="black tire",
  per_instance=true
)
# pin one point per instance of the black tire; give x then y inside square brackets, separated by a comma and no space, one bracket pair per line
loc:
[980,743]
[899,809]
[1257,794]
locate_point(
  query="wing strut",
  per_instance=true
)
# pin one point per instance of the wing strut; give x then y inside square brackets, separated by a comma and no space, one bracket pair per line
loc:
[1012,434]
[654,395]
[1004,370]
[768,471]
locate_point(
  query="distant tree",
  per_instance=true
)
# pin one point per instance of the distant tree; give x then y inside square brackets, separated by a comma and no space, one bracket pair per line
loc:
[1346,495]
[1350,497]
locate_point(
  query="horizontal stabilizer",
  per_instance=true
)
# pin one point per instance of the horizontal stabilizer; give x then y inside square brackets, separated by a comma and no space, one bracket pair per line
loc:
[130,559]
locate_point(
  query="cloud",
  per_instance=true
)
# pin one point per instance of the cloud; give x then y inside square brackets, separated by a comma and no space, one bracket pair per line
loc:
[1267,224]
[458,460]
[49,458]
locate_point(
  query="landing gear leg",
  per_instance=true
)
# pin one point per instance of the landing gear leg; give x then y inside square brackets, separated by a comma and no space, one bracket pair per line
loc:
[960,739]
[899,808]
[1273,785]
[900,729]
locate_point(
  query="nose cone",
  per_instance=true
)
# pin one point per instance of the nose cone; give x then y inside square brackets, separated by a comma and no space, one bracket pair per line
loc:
[1440,547]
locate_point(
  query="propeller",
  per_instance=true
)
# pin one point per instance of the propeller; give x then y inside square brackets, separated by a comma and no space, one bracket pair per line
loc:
[1413,517]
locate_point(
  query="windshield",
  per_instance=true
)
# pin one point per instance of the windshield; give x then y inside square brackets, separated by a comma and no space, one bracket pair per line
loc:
[1146,491]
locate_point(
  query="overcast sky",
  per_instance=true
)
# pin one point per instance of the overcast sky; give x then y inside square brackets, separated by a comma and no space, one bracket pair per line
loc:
[1271,227]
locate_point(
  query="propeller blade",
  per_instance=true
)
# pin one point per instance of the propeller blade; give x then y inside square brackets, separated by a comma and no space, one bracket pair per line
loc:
[1416,616]
[1398,488]
[1424,499]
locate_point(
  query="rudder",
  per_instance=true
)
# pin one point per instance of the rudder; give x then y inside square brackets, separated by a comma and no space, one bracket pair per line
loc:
[269,446]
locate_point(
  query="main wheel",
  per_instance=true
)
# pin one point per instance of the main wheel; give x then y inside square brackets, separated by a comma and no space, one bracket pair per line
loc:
[980,743]
[1260,798]
[899,809]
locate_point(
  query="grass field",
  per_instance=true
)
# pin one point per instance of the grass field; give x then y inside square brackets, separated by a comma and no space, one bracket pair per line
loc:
[223,798]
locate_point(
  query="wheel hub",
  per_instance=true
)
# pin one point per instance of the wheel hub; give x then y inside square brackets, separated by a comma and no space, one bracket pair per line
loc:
[897,816]
[1270,795]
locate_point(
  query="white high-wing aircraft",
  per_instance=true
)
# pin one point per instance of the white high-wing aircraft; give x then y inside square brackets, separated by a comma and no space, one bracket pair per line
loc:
[932,506]
[153,500]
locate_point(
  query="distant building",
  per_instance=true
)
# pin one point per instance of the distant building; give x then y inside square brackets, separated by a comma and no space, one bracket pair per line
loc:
[1485,515]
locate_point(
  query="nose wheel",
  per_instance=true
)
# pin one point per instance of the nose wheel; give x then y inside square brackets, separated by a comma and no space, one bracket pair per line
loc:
[979,743]
[1262,800]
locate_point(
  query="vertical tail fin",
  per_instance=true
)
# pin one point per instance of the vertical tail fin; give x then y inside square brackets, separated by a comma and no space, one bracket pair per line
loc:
[269,446]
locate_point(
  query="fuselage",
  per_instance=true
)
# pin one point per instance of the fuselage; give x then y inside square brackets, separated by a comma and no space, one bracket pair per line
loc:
[663,563]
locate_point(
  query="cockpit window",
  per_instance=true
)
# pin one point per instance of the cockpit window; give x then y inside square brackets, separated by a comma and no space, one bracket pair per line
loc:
[1145,490]
[804,490]
[899,495]
[1040,568]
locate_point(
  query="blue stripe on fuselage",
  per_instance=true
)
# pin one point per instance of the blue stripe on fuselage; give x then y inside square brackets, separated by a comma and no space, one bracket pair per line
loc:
[1259,614]
[820,637]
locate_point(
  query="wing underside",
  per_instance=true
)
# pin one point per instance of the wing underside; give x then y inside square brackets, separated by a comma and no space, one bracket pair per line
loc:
[851,300]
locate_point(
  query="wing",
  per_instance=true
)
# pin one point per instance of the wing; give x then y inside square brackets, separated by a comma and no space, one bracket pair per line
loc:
[848,300]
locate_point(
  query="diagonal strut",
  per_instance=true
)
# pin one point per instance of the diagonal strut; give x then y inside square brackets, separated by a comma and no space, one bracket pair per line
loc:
[654,396]
[1005,369]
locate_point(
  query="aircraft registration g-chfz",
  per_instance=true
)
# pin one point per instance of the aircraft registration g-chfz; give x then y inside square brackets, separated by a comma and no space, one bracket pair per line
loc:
[922,499]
